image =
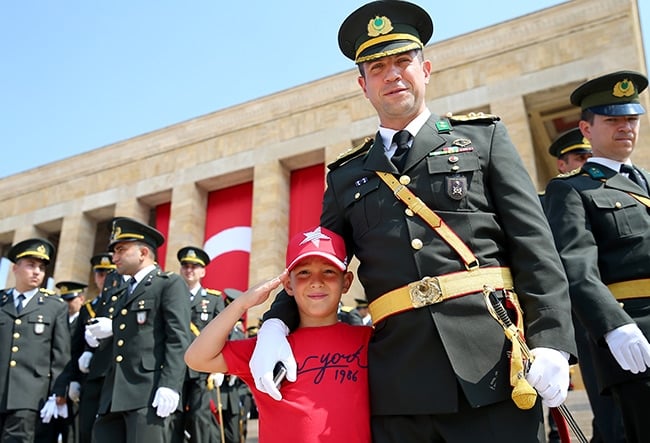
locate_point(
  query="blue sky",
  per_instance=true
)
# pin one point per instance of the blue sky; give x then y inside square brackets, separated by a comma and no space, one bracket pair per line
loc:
[79,75]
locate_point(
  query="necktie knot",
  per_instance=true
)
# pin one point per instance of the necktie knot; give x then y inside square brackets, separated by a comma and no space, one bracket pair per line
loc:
[132,284]
[401,139]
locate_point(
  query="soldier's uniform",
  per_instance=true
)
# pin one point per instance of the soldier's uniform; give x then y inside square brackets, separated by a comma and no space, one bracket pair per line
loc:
[468,171]
[196,416]
[149,340]
[601,223]
[36,348]
[65,427]
[101,306]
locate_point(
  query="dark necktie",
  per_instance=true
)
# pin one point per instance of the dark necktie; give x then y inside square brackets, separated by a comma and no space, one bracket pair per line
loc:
[401,138]
[132,284]
[19,302]
[634,175]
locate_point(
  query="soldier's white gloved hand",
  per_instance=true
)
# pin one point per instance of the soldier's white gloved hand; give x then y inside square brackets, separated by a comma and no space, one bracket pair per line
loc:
[62,410]
[629,347]
[74,391]
[549,375]
[101,328]
[90,339]
[217,378]
[272,346]
[84,362]
[165,401]
[49,409]
[232,380]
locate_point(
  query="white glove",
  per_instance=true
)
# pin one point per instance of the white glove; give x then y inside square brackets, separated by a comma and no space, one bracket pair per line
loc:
[232,380]
[165,401]
[90,339]
[62,410]
[549,375]
[49,409]
[74,391]
[272,346]
[217,378]
[101,328]
[629,347]
[84,362]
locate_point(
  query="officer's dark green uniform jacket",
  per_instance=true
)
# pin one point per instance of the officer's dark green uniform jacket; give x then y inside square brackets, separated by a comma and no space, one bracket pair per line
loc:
[150,335]
[35,349]
[603,235]
[417,358]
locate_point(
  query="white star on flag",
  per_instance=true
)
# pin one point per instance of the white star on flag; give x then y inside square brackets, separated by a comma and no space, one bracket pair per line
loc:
[314,236]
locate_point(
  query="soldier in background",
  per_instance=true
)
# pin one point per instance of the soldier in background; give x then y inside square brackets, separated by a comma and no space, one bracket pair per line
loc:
[93,362]
[65,427]
[149,331]
[363,311]
[195,422]
[35,340]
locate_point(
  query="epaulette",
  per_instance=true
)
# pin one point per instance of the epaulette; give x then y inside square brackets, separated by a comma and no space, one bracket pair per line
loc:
[576,171]
[473,117]
[46,291]
[351,153]
[347,308]
[214,292]
[165,274]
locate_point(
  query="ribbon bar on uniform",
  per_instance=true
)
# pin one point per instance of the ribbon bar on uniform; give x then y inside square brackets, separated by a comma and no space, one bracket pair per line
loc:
[432,290]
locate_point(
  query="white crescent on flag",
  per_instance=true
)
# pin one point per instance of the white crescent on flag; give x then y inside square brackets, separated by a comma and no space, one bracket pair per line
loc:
[237,238]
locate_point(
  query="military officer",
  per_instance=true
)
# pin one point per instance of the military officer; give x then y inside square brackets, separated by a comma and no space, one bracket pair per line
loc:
[363,311]
[65,428]
[600,220]
[93,362]
[469,175]
[35,338]
[195,417]
[149,332]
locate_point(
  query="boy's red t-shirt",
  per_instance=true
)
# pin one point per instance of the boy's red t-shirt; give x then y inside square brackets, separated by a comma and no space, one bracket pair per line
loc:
[329,402]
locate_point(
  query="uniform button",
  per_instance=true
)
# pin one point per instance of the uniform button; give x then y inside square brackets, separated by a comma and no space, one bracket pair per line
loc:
[408,212]
[114,298]
[618,205]
[120,343]
[124,312]
[12,363]
[18,321]
[416,243]
[405,180]
[455,168]
[16,334]
[357,195]
[14,349]
[122,326]
[119,358]
[111,309]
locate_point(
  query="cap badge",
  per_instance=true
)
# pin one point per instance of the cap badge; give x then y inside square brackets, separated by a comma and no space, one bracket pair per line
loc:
[64,289]
[117,232]
[191,253]
[624,88]
[41,249]
[314,236]
[105,261]
[379,26]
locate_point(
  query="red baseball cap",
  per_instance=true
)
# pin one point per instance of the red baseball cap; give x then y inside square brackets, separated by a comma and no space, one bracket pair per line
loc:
[317,241]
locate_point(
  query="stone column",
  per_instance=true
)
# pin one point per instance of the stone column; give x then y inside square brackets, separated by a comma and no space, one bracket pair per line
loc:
[133,208]
[76,246]
[187,221]
[270,220]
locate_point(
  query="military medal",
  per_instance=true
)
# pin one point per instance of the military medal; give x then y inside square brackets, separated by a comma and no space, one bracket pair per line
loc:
[39,326]
[456,186]
[141,317]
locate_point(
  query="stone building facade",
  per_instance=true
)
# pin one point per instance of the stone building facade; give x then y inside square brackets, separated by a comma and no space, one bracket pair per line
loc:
[522,70]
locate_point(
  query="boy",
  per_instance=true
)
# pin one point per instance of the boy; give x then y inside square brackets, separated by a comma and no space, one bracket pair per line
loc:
[332,386]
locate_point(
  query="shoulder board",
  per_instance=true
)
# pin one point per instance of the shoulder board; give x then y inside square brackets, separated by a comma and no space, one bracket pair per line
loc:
[165,274]
[213,292]
[45,291]
[347,308]
[576,171]
[473,117]
[351,153]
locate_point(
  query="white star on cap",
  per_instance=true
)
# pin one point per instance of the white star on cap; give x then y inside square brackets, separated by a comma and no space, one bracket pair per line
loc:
[314,236]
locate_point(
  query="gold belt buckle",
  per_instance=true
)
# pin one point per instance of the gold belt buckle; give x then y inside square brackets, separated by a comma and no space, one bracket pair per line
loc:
[425,292]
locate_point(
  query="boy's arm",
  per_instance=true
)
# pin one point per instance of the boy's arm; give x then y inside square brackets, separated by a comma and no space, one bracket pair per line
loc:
[204,354]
